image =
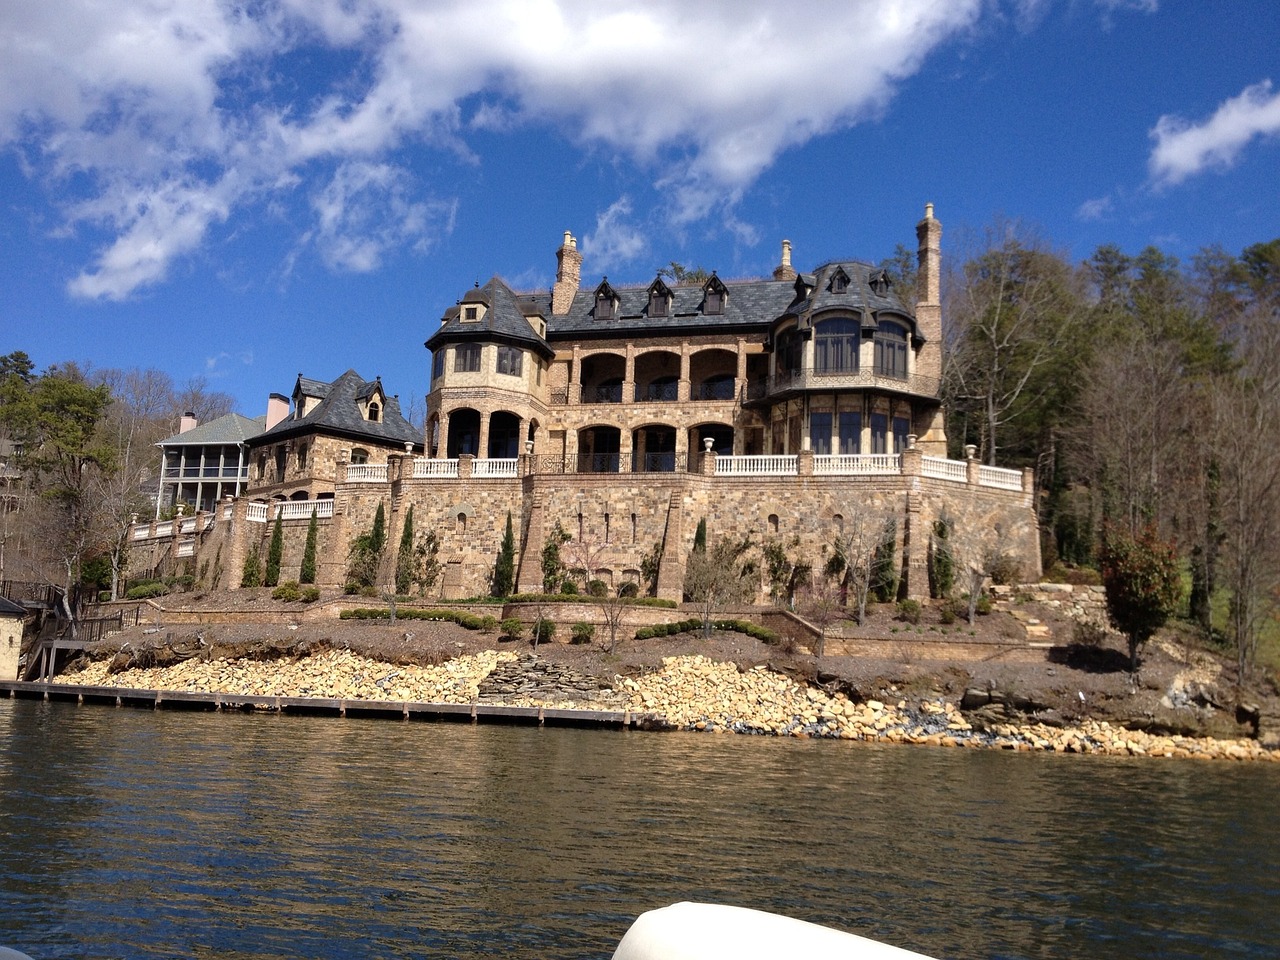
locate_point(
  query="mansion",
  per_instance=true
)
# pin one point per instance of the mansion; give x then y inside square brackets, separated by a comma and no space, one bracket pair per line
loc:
[774,408]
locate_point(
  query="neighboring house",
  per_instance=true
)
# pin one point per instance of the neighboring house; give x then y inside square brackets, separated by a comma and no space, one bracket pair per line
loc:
[349,420]
[12,618]
[635,380]
[205,462]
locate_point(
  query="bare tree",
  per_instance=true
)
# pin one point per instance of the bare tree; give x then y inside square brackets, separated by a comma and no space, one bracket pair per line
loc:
[720,575]
[854,551]
[613,602]
[821,605]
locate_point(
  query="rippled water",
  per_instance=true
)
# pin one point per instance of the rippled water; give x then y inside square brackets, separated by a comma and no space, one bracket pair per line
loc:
[136,834]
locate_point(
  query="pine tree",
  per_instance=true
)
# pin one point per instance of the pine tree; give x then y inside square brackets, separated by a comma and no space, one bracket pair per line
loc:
[504,571]
[378,535]
[308,572]
[274,553]
[251,574]
[700,536]
[404,557]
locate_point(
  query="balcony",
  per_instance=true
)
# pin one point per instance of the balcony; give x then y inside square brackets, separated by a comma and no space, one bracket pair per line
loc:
[822,379]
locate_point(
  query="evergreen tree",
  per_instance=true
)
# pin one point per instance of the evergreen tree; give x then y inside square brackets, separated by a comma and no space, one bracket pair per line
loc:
[274,552]
[1144,584]
[404,557]
[251,574]
[504,571]
[700,537]
[378,535]
[308,572]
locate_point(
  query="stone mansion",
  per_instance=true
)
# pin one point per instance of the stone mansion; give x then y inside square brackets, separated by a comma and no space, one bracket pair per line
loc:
[775,408]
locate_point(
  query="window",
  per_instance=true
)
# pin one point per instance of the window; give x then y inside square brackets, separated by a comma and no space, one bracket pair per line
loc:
[788,356]
[772,524]
[302,456]
[470,313]
[879,433]
[359,455]
[891,350]
[437,365]
[466,358]
[658,301]
[375,412]
[835,345]
[850,432]
[820,433]
[715,303]
[510,360]
[606,305]
[901,427]
[839,281]
[460,523]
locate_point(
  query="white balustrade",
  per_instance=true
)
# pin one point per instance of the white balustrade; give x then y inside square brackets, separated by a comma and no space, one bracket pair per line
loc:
[504,467]
[941,468]
[187,525]
[366,473]
[856,465]
[257,512]
[164,529]
[1000,477]
[141,533]
[772,465]
[424,467]
[187,548]
[301,509]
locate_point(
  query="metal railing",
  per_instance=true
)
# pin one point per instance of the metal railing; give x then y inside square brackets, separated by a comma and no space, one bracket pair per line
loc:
[817,378]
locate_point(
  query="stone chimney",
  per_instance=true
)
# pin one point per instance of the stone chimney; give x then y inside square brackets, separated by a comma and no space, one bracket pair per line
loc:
[568,274]
[187,422]
[277,409]
[784,270]
[928,293]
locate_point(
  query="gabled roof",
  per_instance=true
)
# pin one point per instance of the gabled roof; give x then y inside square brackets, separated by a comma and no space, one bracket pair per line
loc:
[505,320]
[232,428]
[10,609]
[338,413]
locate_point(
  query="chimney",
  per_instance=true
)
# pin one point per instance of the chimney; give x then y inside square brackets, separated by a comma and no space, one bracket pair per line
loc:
[784,270]
[187,422]
[928,294]
[568,275]
[277,409]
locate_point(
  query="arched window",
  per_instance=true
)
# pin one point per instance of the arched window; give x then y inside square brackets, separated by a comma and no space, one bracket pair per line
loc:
[835,345]
[891,350]
[359,455]
[375,412]
[773,523]
[460,524]
[302,456]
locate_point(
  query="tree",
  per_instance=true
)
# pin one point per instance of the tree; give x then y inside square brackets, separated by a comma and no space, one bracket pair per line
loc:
[651,567]
[307,573]
[884,565]
[942,565]
[862,557]
[678,273]
[700,536]
[251,573]
[786,575]
[365,554]
[552,565]
[405,555]
[821,605]
[504,570]
[721,575]
[588,554]
[1143,584]
[275,551]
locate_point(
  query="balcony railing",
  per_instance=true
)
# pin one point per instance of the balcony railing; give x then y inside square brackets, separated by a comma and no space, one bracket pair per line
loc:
[366,473]
[1000,477]
[769,465]
[622,463]
[206,473]
[504,467]
[659,393]
[943,469]
[424,467]
[606,394]
[290,510]
[817,378]
[856,465]
[718,390]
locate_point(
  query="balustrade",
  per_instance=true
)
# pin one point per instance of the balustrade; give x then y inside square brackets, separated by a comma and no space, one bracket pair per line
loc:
[943,469]
[366,473]
[494,467]
[424,468]
[768,465]
[856,464]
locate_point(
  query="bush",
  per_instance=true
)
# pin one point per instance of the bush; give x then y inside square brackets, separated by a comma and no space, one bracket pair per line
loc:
[543,631]
[1005,570]
[909,610]
[146,591]
[310,594]
[629,590]
[488,624]
[983,606]
[597,588]
[1076,576]
[351,588]
[289,591]
[569,587]
[511,628]
[947,615]
[582,632]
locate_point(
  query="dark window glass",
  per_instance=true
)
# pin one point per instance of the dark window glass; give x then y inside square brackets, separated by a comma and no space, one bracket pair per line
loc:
[510,361]
[850,432]
[901,427]
[466,358]
[879,433]
[820,433]
[891,350]
[835,345]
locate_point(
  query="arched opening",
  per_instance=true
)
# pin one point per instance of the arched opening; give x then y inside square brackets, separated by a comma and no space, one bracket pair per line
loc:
[300,495]
[657,376]
[720,435]
[375,412]
[602,375]
[359,455]
[598,449]
[712,373]
[464,433]
[653,449]
[504,435]
[891,350]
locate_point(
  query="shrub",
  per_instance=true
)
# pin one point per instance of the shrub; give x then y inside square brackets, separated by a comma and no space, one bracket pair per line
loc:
[947,615]
[488,624]
[629,590]
[310,594]
[251,573]
[274,552]
[1005,569]
[597,588]
[909,610]
[569,587]
[984,605]
[511,628]
[350,588]
[582,632]
[289,591]
[543,631]
[145,591]
[1088,633]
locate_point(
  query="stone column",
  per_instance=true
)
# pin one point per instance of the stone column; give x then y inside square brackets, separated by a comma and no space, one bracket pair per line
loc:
[442,445]
[971,465]
[482,444]
[465,463]
[804,463]
[575,375]
[570,450]
[912,458]
[683,386]
[629,375]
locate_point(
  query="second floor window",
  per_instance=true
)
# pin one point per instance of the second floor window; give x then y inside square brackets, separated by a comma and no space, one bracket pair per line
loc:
[891,350]
[835,345]
[466,358]
[437,365]
[510,360]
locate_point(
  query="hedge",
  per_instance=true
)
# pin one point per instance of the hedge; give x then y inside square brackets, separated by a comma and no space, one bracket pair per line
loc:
[763,634]
[461,617]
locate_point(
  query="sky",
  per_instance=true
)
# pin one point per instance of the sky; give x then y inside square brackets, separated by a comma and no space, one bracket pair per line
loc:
[245,190]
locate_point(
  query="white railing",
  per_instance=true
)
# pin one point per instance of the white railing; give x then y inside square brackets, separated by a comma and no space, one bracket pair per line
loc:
[301,509]
[943,469]
[187,548]
[772,465]
[366,473]
[1000,477]
[504,467]
[257,512]
[164,529]
[856,464]
[227,510]
[141,533]
[426,467]
[187,525]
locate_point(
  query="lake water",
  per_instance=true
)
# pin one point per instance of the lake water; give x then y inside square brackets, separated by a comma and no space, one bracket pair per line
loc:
[129,833]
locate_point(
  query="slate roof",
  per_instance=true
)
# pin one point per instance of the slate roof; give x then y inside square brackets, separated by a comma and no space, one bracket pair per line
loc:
[339,413]
[751,305]
[232,428]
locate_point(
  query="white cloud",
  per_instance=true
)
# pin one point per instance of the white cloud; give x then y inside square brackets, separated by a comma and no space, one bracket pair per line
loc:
[1097,209]
[172,116]
[616,240]
[1184,149]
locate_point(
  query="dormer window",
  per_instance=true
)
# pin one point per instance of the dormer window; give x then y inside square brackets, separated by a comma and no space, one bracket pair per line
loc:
[880,282]
[715,295]
[375,412]
[607,301]
[659,299]
[839,281]
[471,312]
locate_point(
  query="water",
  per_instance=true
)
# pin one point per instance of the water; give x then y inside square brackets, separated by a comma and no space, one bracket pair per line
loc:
[137,834]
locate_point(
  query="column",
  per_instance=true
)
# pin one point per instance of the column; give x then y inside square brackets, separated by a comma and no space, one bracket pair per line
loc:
[684,393]
[442,447]
[482,444]
[629,375]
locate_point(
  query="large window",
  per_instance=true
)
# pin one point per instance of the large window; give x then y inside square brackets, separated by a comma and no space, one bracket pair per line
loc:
[820,433]
[879,433]
[901,427]
[437,364]
[787,360]
[850,432]
[509,360]
[891,350]
[835,345]
[466,358]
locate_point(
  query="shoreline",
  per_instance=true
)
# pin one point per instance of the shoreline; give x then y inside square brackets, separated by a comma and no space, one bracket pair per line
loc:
[691,692]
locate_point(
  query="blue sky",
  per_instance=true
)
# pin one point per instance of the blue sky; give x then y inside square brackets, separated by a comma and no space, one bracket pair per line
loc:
[243,192]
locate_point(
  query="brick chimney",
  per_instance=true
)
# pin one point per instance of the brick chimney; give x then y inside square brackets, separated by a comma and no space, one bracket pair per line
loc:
[928,293]
[784,270]
[277,409]
[568,274]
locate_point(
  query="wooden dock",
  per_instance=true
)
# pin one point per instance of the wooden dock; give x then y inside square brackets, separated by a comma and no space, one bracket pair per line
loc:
[316,706]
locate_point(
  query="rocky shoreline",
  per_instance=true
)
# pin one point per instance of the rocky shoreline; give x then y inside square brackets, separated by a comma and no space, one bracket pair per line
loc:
[687,693]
